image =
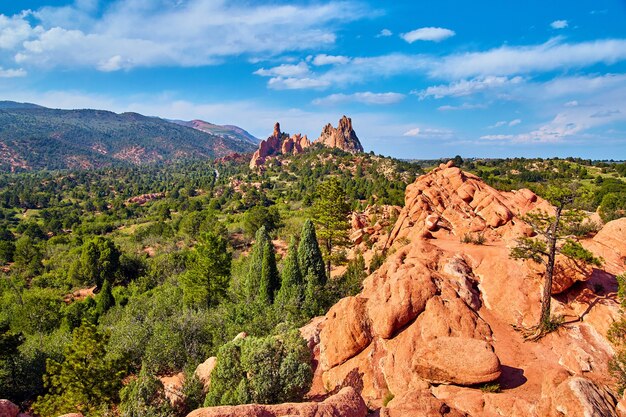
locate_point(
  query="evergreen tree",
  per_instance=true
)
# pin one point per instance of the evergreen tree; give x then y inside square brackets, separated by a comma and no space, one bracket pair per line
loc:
[550,231]
[270,278]
[144,397]
[263,279]
[99,260]
[310,256]
[291,293]
[312,269]
[206,280]
[331,210]
[85,382]
[105,299]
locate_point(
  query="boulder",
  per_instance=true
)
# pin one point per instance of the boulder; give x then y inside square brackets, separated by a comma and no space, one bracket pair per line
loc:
[345,333]
[346,403]
[572,396]
[204,370]
[455,360]
[419,403]
[8,409]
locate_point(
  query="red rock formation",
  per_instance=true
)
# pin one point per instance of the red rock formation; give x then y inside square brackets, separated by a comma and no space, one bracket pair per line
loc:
[346,403]
[435,319]
[342,137]
[278,144]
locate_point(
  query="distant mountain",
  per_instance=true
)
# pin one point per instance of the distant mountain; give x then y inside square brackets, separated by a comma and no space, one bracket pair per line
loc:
[15,105]
[225,131]
[34,137]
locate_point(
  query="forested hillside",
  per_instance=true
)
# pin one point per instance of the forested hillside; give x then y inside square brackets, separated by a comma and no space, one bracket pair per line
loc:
[33,137]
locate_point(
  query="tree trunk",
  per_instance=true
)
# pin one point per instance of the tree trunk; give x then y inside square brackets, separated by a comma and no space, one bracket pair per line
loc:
[329,248]
[547,289]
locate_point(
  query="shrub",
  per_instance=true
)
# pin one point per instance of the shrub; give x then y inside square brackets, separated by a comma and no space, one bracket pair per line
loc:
[266,370]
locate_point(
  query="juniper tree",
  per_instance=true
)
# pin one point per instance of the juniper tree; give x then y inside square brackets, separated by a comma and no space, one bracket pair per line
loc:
[291,294]
[552,237]
[105,298]
[263,279]
[312,268]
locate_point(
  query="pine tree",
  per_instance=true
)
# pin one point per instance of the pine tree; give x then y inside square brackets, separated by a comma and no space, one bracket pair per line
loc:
[331,210]
[291,294]
[105,299]
[206,281]
[85,382]
[550,231]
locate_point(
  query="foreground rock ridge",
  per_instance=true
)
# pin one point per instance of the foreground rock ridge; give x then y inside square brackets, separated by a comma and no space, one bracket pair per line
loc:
[343,137]
[432,326]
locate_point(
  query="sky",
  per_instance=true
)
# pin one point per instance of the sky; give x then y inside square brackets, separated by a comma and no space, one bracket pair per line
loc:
[420,79]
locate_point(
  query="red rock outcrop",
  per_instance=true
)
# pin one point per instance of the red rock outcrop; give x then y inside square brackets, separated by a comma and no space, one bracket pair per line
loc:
[434,321]
[346,403]
[278,144]
[342,137]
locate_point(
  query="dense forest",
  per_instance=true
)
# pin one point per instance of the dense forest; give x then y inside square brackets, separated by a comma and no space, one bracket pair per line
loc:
[113,276]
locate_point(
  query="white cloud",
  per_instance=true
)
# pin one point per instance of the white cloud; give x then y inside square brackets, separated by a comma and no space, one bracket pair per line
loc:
[572,103]
[515,122]
[498,137]
[464,106]
[366,97]
[12,73]
[412,132]
[285,70]
[429,133]
[384,33]
[14,30]
[467,87]
[428,34]
[323,59]
[559,24]
[515,60]
[138,33]
[292,83]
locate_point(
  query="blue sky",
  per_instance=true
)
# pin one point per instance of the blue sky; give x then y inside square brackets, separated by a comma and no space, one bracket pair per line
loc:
[420,79]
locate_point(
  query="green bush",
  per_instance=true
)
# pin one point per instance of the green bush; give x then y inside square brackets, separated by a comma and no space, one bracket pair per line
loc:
[266,370]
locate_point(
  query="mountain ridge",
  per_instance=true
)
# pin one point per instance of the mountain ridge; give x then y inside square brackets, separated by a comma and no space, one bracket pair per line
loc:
[34,137]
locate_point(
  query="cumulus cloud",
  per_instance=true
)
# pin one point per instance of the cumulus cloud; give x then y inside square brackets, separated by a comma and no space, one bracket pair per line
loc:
[136,33]
[515,122]
[432,34]
[366,97]
[572,103]
[559,24]
[384,33]
[323,59]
